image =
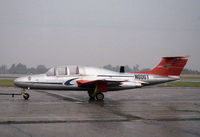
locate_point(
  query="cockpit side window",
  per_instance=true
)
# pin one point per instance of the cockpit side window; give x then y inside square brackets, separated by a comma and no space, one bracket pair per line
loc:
[61,71]
[51,72]
[74,70]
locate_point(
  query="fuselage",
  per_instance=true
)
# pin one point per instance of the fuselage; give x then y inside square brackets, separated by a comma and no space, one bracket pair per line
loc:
[67,77]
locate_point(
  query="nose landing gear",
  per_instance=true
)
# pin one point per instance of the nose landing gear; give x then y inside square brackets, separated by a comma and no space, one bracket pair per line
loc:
[25,95]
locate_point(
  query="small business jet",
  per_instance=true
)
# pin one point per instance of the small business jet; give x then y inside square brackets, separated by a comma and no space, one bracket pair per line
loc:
[98,80]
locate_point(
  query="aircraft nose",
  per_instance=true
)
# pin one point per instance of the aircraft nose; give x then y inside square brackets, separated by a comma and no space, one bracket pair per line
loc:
[19,81]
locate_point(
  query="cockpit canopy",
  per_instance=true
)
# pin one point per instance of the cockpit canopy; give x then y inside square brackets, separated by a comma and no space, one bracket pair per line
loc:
[78,70]
[63,70]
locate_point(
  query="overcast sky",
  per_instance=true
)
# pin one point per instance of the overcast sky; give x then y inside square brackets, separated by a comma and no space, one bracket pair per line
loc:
[99,32]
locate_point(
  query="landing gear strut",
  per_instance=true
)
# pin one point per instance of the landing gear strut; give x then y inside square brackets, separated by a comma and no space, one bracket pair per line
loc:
[91,94]
[25,95]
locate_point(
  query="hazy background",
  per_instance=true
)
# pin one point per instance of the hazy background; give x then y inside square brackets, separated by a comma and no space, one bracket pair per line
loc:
[99,32]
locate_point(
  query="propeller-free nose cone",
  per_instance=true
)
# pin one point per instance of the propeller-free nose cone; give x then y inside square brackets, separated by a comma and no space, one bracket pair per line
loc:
[17,81]
[20,81]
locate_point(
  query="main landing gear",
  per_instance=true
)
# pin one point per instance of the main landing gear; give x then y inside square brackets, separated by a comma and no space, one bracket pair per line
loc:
[98,96]
[24,94]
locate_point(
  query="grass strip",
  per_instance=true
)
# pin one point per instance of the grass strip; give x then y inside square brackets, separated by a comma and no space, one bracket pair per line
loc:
[8,77]
[6,83]
[190,76]
[182,84]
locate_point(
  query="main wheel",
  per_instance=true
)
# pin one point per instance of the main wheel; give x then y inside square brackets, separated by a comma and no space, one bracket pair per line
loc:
[99,96]
[26,96]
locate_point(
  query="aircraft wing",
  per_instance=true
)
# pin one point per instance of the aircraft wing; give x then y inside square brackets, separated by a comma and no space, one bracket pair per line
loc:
[102,85]
[89,83]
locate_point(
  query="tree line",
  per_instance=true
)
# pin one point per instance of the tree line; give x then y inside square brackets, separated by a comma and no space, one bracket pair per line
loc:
[23,69]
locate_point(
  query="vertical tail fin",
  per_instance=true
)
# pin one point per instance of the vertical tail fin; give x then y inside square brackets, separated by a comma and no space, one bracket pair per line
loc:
[169,66]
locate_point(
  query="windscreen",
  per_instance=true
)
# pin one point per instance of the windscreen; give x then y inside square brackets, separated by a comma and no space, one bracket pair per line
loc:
[51,72]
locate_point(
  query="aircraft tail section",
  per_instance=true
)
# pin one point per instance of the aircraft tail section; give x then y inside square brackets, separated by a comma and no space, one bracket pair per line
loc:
[169,66]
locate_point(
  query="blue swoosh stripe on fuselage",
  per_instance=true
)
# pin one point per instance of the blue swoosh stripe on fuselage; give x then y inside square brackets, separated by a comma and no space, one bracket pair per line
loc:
[68,82]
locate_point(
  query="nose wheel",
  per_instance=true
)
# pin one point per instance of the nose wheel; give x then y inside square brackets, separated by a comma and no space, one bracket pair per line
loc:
[25,95]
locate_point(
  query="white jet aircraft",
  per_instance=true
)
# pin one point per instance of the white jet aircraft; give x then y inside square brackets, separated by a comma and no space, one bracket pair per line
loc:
[98,80]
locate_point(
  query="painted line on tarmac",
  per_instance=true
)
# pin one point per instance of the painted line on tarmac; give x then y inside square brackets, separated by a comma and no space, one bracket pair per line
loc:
[128,116]
[176,119]
[61,121]
[89,121]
